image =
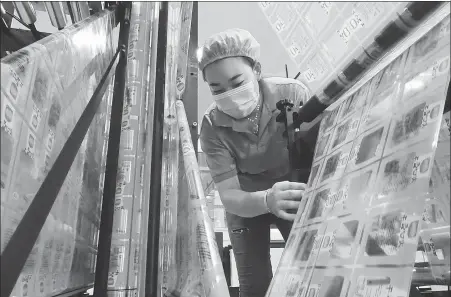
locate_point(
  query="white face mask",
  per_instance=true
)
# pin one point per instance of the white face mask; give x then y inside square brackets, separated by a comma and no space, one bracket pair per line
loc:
[239,102]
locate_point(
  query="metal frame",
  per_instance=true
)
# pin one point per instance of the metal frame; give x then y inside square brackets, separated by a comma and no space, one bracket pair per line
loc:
[152,265]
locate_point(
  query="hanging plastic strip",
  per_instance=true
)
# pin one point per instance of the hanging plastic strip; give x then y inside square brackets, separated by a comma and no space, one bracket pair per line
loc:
[125,265]
[211,280]
[170,162]
[56,14]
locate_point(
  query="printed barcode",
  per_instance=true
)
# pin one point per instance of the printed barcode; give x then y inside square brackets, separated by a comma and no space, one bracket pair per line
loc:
[116,258]
[128,139]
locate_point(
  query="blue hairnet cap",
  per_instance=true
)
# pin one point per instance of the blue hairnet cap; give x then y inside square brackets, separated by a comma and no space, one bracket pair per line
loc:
[226,44]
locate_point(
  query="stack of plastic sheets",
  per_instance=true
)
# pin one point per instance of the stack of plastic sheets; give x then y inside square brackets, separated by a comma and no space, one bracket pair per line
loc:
[126,267]
[370,196]
[44,89]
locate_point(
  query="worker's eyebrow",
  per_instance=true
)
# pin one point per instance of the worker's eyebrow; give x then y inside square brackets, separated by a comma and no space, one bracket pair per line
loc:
[214,84]
[235,77]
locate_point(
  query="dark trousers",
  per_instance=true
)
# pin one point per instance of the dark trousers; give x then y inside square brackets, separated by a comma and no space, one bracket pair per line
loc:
[250,238]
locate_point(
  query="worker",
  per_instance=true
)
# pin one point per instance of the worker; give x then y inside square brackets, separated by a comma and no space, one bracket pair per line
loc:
[246,151]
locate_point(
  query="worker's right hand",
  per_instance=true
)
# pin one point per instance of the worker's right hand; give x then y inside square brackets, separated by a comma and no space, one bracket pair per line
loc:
[284,196]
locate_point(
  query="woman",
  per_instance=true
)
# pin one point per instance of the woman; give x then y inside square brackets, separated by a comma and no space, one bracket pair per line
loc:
[246,151]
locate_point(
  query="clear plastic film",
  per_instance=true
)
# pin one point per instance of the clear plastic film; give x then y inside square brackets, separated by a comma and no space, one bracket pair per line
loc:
[211,280]
[370,196]
[44,89]
[127,236]
[435,233]
[187,11]
[170,158]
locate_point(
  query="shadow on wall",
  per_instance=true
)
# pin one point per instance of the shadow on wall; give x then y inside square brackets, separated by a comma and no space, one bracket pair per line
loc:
[218,16]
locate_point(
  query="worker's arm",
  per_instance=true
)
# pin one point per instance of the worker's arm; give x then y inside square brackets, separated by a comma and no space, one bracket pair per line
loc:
[239,202]
[282,196]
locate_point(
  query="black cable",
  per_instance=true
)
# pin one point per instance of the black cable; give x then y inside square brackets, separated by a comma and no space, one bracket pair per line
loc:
[6,30]
[35,32]
[17,19]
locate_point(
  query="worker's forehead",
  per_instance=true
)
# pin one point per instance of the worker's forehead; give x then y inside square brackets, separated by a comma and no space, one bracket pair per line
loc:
[226,68]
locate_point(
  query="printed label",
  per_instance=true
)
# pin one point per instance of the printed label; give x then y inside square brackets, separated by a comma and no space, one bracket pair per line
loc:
[36,117]
[16,84]
[117,259]
[120,218]
[353,126]
[328,242]
[350,26]
[421,166]
[344,157]
[373,287]
[50,140]
[30,145]
[128,136]
[313,290]
[390,232]
[317,243]
[369,13]
[337,197]
[431,113]
[126,170]
[8,114]
[133,91]
[440,67]
[309,75]
[279,25]
[264,5]
[326,6]
[354,153]
[294,49]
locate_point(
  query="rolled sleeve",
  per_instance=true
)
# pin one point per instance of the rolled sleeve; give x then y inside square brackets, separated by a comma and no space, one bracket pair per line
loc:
[219,159]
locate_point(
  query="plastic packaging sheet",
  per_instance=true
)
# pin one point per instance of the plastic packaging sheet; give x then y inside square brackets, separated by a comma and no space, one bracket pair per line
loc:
[170,162]
[370,195]
[207,279]
[185,31]
[321,37]
[435,234]
[127,236]
[190,263]
[44,89]
[328,41]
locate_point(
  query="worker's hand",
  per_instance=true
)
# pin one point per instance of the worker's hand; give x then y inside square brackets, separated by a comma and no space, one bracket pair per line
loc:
[284,196]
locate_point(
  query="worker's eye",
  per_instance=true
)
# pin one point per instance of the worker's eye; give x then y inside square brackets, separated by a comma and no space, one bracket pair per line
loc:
[238,84]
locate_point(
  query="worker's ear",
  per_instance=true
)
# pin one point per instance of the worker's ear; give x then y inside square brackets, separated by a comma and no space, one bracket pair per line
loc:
[258,70]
